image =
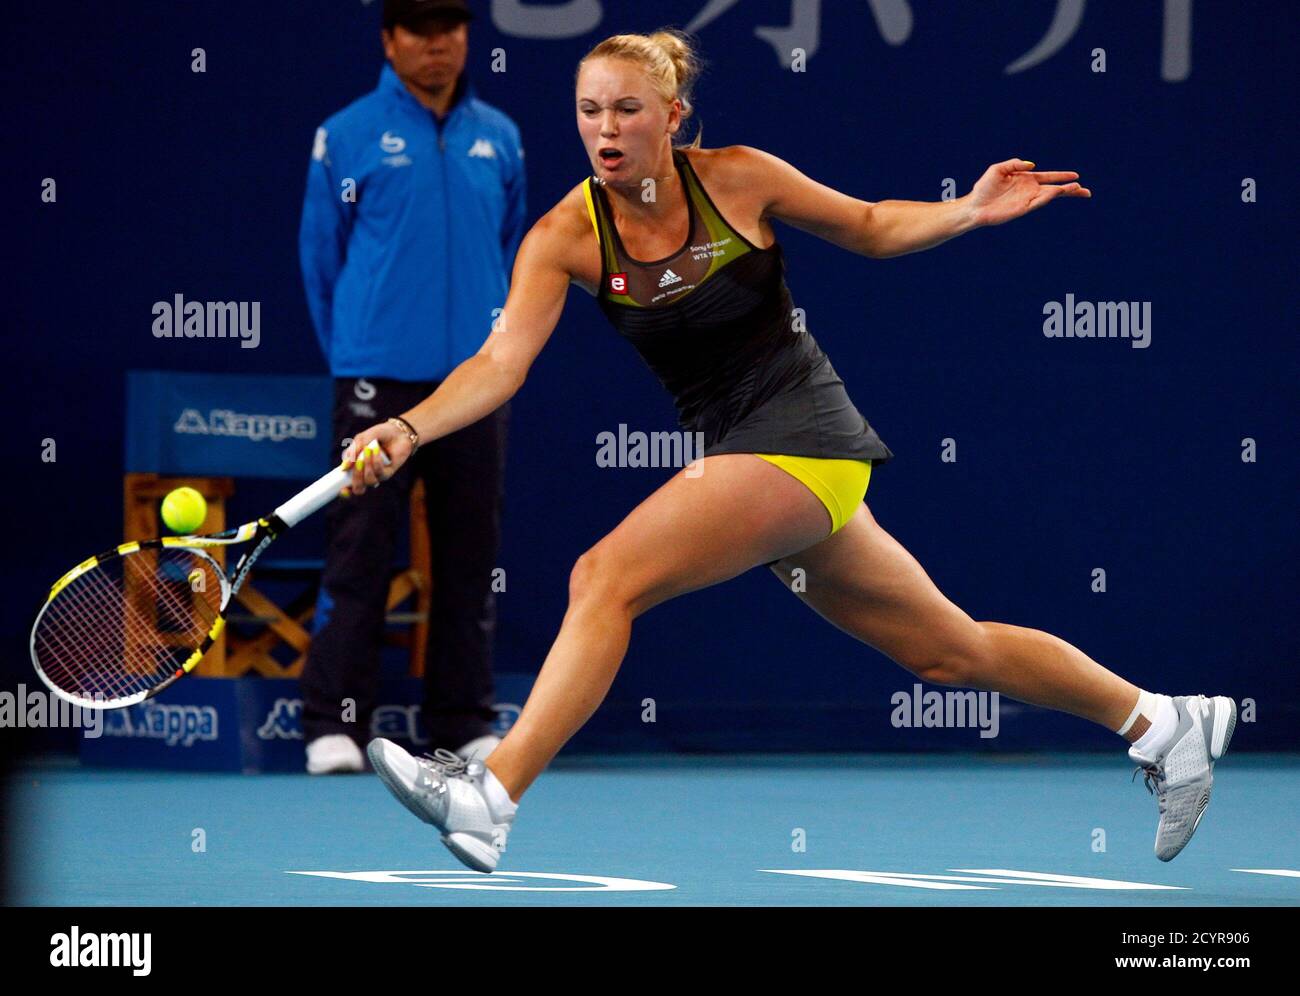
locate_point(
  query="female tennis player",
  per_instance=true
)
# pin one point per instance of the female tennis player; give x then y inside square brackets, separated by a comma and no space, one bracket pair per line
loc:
[692,275]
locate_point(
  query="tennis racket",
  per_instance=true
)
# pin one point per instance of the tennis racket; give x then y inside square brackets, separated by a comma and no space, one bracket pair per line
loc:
[125,624]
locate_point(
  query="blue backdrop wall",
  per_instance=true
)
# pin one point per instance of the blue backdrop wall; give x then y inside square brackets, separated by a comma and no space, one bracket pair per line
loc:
[1072,454]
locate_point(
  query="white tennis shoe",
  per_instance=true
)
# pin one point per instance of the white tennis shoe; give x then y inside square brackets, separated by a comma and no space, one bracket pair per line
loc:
[334,753]
[1181,775]
[445,790]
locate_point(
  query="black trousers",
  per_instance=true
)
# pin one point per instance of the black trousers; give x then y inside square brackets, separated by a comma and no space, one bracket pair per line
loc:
[463,475]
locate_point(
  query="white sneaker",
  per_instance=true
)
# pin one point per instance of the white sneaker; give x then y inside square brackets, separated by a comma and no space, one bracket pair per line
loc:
[480,747]
[447,791]
[333,753]
[1182,772]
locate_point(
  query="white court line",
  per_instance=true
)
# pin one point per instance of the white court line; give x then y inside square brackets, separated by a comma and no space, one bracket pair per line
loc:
[1063,881]
[988,878]
[460,878]
[1284,872]
[878,878]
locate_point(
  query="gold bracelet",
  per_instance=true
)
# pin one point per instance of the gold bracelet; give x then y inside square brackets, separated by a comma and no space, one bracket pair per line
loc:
[409,429]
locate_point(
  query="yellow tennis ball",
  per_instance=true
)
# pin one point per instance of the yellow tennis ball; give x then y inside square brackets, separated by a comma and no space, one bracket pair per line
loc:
[184,510]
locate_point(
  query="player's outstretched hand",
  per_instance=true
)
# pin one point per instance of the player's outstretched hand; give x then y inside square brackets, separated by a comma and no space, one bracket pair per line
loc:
[376,455]
[1011,189]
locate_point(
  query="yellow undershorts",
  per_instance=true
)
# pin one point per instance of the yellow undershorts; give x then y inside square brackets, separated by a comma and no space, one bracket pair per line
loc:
[840,485]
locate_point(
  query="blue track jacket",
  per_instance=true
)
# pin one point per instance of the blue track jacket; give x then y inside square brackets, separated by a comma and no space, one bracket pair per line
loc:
[409,230]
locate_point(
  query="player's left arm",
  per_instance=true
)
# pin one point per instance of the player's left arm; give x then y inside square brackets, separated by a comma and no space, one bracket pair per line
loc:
[881,229]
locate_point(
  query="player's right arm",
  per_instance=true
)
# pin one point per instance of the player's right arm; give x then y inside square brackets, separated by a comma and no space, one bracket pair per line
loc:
[539,285]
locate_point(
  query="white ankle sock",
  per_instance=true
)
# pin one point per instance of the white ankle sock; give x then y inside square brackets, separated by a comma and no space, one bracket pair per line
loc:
[1160,713]
[499,801]
[1146,706]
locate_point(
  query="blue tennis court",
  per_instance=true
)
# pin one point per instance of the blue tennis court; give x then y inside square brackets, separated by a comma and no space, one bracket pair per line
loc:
[842,830]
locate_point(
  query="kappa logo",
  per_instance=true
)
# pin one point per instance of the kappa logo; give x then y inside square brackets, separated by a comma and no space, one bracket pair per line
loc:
[172,724]
[224,422]
[482,149]
[391,143]
[283,722]
[668,278]
[398,722]
[618,283]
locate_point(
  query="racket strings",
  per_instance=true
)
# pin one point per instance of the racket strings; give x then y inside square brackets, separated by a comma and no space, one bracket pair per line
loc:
[102,601]
[157,625]
[102,638]
[111,641]
[128,624]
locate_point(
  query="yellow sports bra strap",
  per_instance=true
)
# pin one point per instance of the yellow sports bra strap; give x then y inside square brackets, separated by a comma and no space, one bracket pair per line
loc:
[591,208]
[595,210]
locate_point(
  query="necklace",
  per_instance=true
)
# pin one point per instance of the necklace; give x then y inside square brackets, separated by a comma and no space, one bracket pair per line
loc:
[657,179]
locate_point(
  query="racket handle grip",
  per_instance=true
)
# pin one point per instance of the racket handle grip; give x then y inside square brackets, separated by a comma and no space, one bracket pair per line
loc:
[314,497]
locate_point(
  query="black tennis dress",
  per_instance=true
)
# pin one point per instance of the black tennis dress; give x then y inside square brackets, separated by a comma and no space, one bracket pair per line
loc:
[716,324]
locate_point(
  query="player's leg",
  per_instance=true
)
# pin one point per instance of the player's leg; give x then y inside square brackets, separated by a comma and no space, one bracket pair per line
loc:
[693,532]
[864,581]
[698,529]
